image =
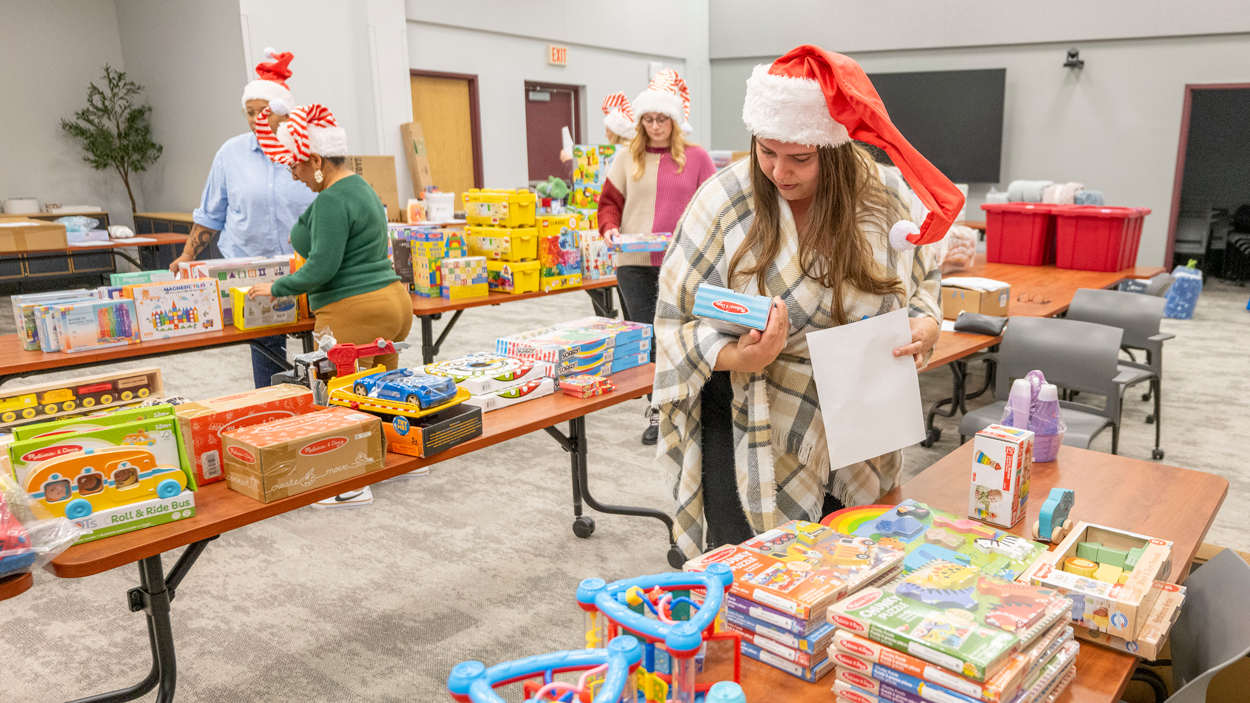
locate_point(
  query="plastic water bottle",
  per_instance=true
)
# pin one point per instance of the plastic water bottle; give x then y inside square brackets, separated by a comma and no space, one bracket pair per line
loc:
[1046,424]
[725,692]
[1018,404]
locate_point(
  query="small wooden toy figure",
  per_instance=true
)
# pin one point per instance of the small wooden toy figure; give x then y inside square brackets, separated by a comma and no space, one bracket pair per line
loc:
[1053,523]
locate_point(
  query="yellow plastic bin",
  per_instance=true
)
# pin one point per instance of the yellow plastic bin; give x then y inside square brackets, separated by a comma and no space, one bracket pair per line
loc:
[500,208]
[552,224]
[503,243]
[513,276]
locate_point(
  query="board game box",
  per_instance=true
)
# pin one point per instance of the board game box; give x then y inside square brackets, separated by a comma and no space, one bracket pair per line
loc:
[485,372]
[815,642]
[801,567]
[953,616]
[810,674]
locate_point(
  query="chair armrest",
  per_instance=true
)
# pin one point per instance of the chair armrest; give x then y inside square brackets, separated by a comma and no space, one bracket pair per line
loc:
[1161,337]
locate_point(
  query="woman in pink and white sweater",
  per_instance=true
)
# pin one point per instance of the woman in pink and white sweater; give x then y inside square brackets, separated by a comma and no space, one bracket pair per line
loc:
[648,192]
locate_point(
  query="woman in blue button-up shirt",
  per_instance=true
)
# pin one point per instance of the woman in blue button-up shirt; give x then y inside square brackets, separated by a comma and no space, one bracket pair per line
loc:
[250,202]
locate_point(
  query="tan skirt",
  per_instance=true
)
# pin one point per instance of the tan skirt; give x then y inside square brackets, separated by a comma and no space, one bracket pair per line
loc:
[360,319]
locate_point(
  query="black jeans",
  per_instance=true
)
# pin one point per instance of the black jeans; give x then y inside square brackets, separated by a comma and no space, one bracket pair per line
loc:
[640,287]
[722,507]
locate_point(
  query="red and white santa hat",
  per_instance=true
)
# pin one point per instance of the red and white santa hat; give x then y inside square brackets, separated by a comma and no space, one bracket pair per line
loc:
[311,129]
[819,98]
[667,95]
[618,116]
[271,85]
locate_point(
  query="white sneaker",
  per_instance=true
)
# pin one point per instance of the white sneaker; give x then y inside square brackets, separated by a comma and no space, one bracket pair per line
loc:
[351,499]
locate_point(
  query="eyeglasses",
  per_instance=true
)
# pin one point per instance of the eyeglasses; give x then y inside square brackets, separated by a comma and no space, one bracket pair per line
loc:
[656,120]
[1039,298]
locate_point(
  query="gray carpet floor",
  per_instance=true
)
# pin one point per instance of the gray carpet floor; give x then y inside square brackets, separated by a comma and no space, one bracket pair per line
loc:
[477,560]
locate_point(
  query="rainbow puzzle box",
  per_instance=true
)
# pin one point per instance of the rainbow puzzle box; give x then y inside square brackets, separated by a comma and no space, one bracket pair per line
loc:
[731,312]
[96,324]
[1002,463]
[176,308]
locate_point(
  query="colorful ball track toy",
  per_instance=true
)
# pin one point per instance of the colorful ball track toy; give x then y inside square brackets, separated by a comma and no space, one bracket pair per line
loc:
[607,609]
[613,668]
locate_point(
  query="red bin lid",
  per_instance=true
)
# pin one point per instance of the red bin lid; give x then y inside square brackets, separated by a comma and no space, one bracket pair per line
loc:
[1025,208]
[1100,211]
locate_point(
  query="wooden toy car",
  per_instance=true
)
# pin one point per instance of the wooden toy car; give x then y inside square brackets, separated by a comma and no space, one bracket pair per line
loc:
[77,485]
[1053,523]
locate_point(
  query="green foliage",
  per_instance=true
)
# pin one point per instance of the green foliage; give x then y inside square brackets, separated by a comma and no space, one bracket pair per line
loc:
[114,129]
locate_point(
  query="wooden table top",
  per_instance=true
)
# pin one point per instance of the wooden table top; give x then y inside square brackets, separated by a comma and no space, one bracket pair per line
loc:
[16,360]
[15,585]
[219,509]
[161,238]
[1130,494]
[433,306]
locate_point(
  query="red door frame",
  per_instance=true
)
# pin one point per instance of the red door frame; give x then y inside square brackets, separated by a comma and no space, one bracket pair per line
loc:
[475,116]
[1180,156]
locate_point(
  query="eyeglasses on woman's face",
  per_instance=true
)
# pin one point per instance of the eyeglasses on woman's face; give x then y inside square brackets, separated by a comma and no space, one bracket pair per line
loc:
[655,120]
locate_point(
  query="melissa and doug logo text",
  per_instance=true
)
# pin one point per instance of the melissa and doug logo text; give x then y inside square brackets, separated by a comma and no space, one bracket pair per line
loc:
[730,307]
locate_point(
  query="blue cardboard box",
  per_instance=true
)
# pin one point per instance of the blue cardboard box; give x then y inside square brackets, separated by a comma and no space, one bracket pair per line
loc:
[731,312]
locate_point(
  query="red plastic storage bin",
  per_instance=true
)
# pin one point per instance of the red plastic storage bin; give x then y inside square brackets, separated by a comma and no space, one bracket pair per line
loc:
[1093,238]
[1019,233]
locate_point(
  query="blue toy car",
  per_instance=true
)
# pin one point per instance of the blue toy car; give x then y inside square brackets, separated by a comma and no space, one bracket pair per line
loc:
[1052,522]
[407,386]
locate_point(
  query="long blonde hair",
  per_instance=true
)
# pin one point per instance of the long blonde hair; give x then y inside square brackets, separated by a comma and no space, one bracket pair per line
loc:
[832,246]
[638,149]
[614,138]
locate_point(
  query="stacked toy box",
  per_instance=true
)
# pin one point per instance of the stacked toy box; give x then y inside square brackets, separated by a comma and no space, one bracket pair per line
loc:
[495,381]
[590,171]
[503,228]
[784,582]
[591,345]
[463,277]
[233,273]
[598,259]
[417,252]
[948,632]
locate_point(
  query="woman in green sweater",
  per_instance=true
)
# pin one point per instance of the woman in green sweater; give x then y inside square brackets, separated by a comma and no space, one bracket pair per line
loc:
[342,236]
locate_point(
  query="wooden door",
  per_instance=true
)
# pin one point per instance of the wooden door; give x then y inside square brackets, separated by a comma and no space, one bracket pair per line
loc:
[548,108]
[446,107]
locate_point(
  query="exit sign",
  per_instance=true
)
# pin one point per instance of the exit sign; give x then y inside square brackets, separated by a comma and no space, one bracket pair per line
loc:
[557,55]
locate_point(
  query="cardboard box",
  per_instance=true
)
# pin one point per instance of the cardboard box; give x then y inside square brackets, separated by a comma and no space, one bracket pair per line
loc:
[128,278]
[1002,463]
[176,308]
[956,300]
[731,312]
[156,435]
[19,234]
[263,311]
[1117,609]
[96,324]
[415,154]
[136,516]
[464,277]
[598,259]
[25,315]
[237,273]
[287,457]
[484,372]
[435,433]
[202,424]
[1154,633]
[84,394]
[379,172]
[503,397]
[91,422]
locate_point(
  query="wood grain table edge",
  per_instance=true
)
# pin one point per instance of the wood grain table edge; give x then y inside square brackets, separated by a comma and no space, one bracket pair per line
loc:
[96,557]
[15,585]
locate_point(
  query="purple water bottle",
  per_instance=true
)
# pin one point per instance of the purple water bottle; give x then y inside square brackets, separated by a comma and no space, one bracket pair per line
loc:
[1046,424]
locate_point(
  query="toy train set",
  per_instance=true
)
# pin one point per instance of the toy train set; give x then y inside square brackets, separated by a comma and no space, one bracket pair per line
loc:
[87,394]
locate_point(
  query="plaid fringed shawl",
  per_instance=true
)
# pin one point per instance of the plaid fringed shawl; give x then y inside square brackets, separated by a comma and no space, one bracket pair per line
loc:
[780,454]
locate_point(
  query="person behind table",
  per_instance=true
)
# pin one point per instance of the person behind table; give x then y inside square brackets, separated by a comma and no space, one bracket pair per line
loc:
[618,120]
[646,191]
[249,199]
[811,221]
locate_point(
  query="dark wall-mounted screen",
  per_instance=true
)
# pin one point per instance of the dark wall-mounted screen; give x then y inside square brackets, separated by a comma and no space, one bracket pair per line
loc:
[953,118]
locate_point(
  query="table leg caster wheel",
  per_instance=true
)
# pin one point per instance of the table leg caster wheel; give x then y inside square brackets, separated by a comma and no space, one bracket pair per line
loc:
[1150,419]
[932,438]
[676,558]
[1145,396]
[1157,453]
[584,527]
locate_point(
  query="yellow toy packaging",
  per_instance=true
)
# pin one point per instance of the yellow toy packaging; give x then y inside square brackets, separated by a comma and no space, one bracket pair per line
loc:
[550,225]
[513,277]
[90,394]
[157,436]
[262,311]
[500,208]
[502,243]
[464,277]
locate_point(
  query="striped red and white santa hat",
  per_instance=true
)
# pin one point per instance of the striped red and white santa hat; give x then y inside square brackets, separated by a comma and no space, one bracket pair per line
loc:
[271,85]
[310,129]
[815,97]
[667,95]
[618,116]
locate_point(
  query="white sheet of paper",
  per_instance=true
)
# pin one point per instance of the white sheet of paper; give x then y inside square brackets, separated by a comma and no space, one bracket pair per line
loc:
[870,399]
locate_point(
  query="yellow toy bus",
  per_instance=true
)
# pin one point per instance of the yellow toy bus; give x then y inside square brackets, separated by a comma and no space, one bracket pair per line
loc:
[77,485]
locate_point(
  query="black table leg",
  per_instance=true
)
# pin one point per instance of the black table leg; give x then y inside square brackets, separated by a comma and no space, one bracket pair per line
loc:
[270,355]
[959,371]
[601,299]
[306,339]
[578,447]
[429,349]
[153,597]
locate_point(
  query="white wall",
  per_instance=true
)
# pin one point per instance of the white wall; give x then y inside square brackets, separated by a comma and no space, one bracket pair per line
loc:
[50,52]
[759,28]
[1113,126]
[350,56]
[503,59]
[186,55]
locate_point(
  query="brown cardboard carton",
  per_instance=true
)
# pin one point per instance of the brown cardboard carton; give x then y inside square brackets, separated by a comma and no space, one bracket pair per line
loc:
[283,458]
[956,300]
[435,433]
[19,234]
[1153,634]
[418,162]
[379,172]
[202,424]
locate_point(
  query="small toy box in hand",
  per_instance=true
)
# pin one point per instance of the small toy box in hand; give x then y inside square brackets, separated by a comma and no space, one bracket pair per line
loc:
[731,312]
[586,386]
[1002,462]
[202,423]
[283,458]
[262,311]
[656,241]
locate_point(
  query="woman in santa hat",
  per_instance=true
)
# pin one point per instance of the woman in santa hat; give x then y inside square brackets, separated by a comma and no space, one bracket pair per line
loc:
[249,202]
[618,119]
[647,190]
[810,220]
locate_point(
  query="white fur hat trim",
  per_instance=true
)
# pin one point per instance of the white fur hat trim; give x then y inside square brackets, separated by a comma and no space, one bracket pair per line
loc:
[663,102]
[266,90]
[324,141]
[620,124]
[899,233]
[790,110]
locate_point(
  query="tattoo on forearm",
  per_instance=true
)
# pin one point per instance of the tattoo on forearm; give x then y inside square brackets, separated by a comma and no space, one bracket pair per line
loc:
[200,237]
